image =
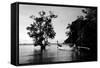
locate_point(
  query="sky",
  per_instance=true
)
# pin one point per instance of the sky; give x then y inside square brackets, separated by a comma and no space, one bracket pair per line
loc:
[66,15]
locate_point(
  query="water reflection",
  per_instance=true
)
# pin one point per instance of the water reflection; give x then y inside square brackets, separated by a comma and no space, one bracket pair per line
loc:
[31,54]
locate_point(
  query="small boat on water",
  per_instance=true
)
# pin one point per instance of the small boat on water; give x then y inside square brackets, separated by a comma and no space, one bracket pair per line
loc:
[64,46]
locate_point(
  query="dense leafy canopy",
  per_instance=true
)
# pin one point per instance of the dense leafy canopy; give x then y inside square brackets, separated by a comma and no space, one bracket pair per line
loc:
[42,28]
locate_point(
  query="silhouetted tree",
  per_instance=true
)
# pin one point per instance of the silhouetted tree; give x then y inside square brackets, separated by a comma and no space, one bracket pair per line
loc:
[41,29]
[74,27]
[90,30]
[83,31]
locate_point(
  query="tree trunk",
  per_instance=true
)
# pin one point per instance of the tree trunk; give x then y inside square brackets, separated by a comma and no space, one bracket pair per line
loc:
[42,48]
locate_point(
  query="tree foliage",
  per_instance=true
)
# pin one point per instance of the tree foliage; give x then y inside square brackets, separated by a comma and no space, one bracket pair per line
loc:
[42,28]
[83,31]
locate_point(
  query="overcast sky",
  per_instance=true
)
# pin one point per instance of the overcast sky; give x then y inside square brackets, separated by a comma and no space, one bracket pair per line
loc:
[65,15]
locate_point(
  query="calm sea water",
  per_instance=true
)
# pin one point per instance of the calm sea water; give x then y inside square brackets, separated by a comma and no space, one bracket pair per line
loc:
[31,54]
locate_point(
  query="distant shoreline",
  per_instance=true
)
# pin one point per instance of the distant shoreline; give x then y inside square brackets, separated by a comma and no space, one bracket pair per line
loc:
[33,44]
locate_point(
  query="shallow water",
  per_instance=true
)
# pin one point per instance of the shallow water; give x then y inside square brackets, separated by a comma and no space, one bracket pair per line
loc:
[31,54]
